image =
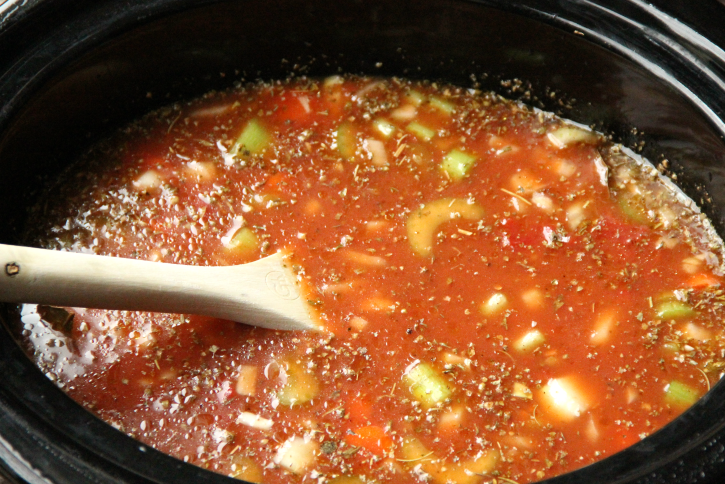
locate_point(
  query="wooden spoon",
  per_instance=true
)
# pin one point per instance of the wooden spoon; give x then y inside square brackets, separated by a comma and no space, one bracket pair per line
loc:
[262,293]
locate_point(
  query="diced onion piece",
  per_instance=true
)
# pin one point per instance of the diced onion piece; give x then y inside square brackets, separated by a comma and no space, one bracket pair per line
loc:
[246,469]
[529,341]
[602,170]
[451,420]
[562,398]
[591,430]
[346,140]
[247,380]
[494,304]
[384,128]
[358,323]
[338,287]
[667,216]
[332,81]
[253,139]
[563,168]
[255,421]
[301,386]
[542,201]
[296,454]
[497,142]
[378,303]
[442,105]
[456,360]
[376,226]
[457,164]
[603,328]
[204,171]
[568,135]
[632,394]
[313,207]
[697,332]
[518,442]
[363,259]
[150,179]
[533,298]
[426,385]
[523,183]
[522,391]
[692,265]
[305,102]
[421,132]
[376,148]
[575,214]
[210,111]
[423,223]
[404,113]
[680,395]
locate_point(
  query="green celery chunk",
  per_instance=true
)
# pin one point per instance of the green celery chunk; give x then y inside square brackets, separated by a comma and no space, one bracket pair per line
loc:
[441,105]
[422,132]
[244,241]
[673,309]
[254,138]
[680,394]
[427,386]
[457,164]
[300,387]
[633,208]
[346,140]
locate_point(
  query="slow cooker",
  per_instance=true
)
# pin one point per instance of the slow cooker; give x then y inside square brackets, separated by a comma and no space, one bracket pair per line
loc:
[651,76]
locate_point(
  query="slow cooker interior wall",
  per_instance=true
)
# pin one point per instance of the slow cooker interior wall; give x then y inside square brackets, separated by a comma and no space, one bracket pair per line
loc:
[184,55]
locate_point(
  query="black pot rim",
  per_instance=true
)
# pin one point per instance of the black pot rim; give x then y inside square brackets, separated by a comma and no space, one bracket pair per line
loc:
[36,438]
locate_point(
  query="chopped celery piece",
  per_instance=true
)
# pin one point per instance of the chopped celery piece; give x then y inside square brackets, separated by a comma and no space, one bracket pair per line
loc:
[426,385]
[457,164]
[680,394]
[422,132]
[423,224]
[245,240]
[673,309]
[414,97]
[632,207]
[346,140]
[530,341]
[300,387]
[254,138]
[567,135]
[442,105]
[383,127]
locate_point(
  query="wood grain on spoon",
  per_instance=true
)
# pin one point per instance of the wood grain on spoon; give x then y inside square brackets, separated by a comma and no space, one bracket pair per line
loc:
[262,293]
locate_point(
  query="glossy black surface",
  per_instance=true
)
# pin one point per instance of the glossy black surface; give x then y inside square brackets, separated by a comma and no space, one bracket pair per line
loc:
[72,71]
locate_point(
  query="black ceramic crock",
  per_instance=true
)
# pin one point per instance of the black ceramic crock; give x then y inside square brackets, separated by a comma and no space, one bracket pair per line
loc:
[70,71]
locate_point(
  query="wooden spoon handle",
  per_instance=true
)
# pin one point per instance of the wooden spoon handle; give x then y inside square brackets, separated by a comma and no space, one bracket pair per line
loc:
[261,293]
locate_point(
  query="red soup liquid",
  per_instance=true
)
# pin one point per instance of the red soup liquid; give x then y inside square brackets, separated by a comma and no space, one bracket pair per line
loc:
[506,296]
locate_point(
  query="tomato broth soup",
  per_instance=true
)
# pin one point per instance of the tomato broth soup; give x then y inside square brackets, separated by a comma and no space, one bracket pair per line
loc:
[506,296]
